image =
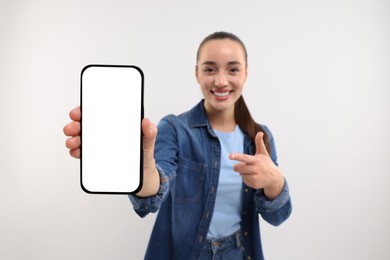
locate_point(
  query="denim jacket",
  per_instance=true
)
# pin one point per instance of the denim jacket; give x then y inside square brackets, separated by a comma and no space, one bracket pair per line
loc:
[187,154]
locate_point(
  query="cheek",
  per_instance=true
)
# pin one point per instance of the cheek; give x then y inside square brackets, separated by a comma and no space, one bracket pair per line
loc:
[239,84]
[204,82]
[202,86]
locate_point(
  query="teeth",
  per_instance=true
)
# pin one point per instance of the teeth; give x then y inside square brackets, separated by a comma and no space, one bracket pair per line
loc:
[221,94]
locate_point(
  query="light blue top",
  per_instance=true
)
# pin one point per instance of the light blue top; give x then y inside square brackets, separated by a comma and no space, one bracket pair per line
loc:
[227,210]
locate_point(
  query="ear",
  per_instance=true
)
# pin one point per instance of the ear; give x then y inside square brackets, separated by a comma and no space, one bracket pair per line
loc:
[196,73]
[246,73]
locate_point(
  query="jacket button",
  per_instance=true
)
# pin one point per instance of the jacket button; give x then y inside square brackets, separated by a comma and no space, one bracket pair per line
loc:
[249,258]
[246,189]
[246,233]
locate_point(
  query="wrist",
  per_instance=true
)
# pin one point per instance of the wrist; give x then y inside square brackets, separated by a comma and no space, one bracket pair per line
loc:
[276,187]
[151,180]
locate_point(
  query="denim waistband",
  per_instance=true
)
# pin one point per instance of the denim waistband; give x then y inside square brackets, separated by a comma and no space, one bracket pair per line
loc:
[233,240]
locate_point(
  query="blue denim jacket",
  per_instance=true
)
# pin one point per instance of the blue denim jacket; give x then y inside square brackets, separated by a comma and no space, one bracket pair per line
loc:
[187,155]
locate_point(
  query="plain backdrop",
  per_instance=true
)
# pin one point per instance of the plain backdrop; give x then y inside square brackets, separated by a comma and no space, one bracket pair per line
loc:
[319,78]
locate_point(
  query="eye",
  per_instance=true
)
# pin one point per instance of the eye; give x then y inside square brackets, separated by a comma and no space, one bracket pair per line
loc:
[208,70]
[234,70]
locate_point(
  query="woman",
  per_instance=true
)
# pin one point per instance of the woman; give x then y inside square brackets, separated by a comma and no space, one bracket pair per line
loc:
[211,170]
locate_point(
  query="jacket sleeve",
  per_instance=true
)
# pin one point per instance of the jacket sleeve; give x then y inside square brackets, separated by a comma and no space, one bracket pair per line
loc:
[278,210]
[165,155]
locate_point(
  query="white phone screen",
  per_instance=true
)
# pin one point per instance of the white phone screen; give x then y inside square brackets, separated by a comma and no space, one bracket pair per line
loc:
[111,136]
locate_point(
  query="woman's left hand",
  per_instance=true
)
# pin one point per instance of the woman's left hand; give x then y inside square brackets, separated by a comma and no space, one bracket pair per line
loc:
[258,171]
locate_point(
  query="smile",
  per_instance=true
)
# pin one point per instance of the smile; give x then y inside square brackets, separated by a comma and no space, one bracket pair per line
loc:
[221,94]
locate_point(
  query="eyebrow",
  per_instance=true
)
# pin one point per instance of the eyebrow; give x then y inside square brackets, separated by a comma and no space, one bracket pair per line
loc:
[214,63]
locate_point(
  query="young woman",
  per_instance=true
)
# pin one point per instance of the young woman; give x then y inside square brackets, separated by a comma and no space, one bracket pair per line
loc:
[209,171]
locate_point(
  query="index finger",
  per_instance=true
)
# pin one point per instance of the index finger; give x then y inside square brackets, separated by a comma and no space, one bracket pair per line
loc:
[75,114]
[72,129]
[245,158]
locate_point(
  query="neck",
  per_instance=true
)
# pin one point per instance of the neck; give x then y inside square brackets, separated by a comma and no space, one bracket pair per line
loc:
[221,120]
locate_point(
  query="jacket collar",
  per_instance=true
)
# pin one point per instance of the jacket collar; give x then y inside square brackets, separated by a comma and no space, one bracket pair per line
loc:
[198,115]
[198,118]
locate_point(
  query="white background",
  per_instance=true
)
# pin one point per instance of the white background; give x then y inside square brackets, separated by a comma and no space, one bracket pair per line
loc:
[319,78]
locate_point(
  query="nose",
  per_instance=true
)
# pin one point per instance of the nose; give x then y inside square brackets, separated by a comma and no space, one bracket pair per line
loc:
[220,80]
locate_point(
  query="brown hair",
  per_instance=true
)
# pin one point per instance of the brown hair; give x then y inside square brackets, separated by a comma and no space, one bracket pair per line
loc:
[242,116]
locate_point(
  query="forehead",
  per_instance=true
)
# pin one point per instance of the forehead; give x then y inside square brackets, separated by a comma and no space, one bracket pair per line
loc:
[222,50]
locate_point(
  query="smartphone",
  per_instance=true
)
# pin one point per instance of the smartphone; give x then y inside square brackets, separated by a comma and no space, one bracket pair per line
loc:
[112,109]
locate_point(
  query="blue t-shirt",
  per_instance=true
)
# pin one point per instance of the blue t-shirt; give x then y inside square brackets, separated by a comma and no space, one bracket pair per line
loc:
[227,210]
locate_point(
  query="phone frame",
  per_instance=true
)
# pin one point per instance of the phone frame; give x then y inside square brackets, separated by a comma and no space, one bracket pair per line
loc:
[141,135]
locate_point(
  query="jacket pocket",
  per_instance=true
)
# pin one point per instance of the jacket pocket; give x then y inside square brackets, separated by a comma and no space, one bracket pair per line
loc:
[188,184]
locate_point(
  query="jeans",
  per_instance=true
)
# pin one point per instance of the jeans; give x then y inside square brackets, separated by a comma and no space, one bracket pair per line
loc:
[226,248]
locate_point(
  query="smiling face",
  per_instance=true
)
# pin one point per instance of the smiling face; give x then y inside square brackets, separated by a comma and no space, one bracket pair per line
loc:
[221,72]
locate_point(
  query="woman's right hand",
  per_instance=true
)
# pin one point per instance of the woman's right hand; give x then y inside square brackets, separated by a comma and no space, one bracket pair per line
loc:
[73,143]
[149,131]
[151,181]
[73,130]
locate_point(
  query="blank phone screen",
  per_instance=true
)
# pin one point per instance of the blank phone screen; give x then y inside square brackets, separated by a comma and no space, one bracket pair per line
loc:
[111,136]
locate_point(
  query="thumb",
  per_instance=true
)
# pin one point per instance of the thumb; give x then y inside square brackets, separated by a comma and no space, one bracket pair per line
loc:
[260,146]
[149,131]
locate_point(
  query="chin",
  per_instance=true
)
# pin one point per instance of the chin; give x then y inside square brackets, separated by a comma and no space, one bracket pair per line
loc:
[221,106]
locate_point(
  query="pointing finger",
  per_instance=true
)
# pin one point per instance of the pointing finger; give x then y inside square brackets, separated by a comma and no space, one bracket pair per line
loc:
[245,158]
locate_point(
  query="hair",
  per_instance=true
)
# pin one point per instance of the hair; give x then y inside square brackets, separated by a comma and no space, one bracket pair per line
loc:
[242,116]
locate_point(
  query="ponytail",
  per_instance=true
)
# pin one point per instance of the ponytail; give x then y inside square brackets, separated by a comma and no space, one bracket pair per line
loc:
[243,118]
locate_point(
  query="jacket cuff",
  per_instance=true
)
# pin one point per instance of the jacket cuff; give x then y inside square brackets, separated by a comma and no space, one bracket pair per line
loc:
[263,204]
[144,205]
